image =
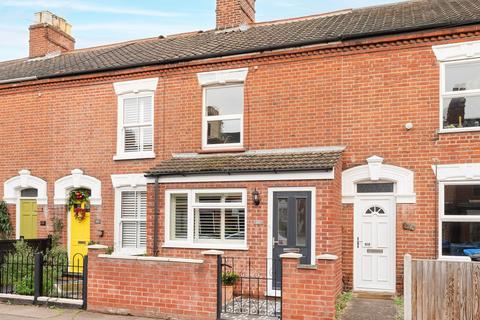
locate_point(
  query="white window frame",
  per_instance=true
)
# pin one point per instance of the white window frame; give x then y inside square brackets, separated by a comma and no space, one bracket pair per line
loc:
[206,119]
[134,89]
[454,94]
[445,218]
[118,220]
[190,242]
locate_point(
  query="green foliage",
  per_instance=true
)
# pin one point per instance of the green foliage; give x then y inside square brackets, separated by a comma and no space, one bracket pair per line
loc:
[399,304]
[341,303]
[18,268]
[5,225]
[229,278]
[24,286]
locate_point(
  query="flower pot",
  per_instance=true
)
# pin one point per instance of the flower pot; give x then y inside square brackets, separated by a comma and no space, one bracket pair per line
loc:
[227,293]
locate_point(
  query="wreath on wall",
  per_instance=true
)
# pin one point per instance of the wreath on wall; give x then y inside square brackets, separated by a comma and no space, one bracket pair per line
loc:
[76,199]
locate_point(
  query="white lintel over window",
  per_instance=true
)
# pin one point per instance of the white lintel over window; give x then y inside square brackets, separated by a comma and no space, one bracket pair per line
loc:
[208,218]
[459,86]
[135,133]
[223,105]
[130,213]
[459,210]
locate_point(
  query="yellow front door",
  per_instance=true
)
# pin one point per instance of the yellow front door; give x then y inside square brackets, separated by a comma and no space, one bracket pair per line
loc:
[28,219]
[79,239]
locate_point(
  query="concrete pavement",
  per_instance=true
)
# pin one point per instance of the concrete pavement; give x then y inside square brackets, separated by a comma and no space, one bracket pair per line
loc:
[29,312]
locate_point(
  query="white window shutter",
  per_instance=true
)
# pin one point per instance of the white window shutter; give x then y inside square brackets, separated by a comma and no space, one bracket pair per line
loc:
[133,219]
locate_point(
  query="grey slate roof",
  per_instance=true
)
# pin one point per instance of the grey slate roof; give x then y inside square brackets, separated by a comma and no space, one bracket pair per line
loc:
[248,162]
[357,23]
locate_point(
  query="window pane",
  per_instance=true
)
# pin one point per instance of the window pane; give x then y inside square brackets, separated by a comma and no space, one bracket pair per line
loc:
[462,76]
[29,192]
[142,204]
[219,198]
[461,112]
[459,236]
[129,234]
[130,111]
[129,205]
[462,200]
[282,220]
[223,131]
[374,187]
[145,104]
[209,198]
[179,216]
[234,224]
[224,100]
[208,224]
[132,139]
[301,206]
[147,137]
[143,235]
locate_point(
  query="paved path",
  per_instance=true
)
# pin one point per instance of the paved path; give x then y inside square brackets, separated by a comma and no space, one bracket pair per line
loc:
[28,312]
[370,309]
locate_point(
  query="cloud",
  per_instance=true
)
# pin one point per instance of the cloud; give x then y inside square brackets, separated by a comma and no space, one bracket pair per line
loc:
[90,7]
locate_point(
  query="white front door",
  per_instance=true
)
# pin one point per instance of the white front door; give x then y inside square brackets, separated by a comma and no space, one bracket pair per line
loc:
[374,244]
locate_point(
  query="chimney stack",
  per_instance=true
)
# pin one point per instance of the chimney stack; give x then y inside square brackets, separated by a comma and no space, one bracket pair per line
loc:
[233,13]
[49,34]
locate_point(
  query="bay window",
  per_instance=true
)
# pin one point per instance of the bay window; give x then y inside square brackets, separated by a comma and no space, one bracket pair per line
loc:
[206,218]
[459,219]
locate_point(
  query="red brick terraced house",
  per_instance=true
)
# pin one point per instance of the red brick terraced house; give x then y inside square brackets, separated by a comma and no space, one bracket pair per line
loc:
[350,137]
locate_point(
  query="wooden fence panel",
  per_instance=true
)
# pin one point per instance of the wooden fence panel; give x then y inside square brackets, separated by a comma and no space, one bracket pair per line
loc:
[442,290]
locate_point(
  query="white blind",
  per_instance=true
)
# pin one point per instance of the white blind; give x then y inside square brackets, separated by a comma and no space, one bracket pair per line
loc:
[137,123]
[179,216]
[133,219]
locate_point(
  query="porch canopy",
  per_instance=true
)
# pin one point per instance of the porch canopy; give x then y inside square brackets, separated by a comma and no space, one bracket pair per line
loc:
[275,161]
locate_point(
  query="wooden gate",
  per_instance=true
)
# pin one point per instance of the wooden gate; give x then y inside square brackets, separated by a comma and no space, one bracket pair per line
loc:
[441,290]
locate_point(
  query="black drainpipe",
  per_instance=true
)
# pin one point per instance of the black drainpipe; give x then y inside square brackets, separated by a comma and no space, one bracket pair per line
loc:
[155,221]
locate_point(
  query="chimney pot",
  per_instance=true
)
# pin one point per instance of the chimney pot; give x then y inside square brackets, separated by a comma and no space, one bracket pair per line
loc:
[49,34]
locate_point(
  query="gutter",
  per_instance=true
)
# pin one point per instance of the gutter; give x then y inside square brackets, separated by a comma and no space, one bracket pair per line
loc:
[227,172]
[18,80]
[251,50]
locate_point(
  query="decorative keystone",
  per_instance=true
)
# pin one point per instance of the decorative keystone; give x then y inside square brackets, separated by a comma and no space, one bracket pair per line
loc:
[213,253]
[327,256]
[97,247]
[291,255]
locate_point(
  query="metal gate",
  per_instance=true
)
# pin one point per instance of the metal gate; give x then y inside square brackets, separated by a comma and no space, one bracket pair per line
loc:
[248,286]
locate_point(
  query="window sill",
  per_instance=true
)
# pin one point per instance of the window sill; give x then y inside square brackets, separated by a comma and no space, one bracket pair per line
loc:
[221,150]
[458,130]
[137,252]
[134,156]
[454,258]
[188,245]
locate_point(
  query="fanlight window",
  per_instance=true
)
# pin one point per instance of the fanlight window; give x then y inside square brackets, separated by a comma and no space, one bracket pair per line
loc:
[374,211]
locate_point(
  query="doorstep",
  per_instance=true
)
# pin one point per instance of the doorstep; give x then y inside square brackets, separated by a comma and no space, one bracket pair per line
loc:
[374,295]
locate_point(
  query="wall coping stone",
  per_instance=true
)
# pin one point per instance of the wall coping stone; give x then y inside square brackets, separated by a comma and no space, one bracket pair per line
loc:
[146,258]
[213,253]
[291,255]
[327,256]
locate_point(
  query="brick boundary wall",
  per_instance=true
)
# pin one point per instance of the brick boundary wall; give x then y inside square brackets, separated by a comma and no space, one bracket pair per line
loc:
[309,292]
[168,288]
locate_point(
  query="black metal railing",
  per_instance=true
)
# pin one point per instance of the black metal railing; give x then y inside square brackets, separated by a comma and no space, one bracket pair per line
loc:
[39,275]
[249,286]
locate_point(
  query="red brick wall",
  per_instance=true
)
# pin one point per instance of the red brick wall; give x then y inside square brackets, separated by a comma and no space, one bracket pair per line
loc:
[47,39]
[232,13]
[173,290]
[309,293]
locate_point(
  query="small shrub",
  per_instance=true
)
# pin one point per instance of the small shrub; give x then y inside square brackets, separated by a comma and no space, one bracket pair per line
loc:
[341,303]
[5,225]
[24,286]
[229,278]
